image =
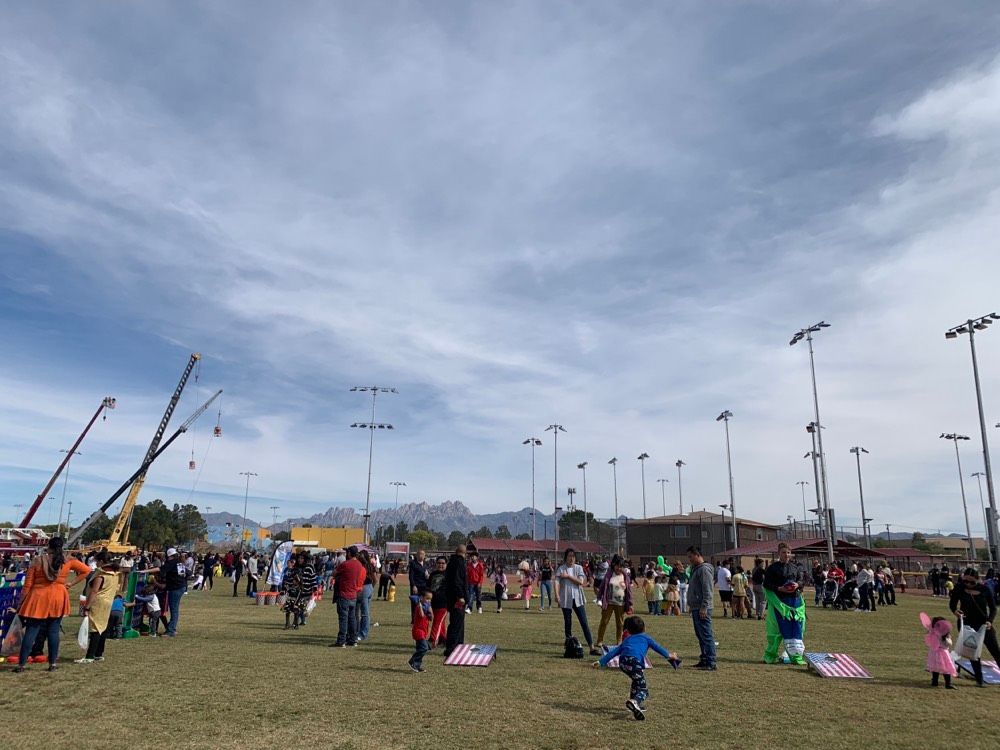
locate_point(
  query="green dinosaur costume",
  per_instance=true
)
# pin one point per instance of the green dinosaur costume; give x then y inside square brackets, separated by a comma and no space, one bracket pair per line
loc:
[786,621]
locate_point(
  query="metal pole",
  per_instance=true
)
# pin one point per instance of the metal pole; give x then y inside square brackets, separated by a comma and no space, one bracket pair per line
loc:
[618,532]
[821,513]
[586,528]
[965,508]
[992,532]
[371,449]
[532,490]
[856,450]
[62,502]
[642,468]
[805,513]
[663,493]
[979,479]
[729,465]
[246,500]
[822,456]
[680,491]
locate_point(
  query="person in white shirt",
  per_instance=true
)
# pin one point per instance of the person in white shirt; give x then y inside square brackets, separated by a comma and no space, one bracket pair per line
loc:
[723,581]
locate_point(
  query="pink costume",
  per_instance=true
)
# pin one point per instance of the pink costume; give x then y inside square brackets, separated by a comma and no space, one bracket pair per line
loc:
[939,649]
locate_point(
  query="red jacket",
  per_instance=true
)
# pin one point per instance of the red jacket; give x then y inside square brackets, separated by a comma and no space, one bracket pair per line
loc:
[349,578]
[421,630]
[474,573]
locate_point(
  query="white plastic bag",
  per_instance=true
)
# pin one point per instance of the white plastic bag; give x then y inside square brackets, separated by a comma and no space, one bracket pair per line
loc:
[310,606]
[969,643]
[83,636]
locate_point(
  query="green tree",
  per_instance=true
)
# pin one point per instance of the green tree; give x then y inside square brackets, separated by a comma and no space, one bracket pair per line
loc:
[282,536]
[484,532]
[402,531]
[440,540]
[523,536]
[100,529]
[421,526]
[152,526]
[422,539]
[189,526]
[503,532]
[455,538]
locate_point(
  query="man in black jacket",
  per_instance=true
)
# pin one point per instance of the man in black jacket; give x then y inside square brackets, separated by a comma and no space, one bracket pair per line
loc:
[455,586]
[175,579]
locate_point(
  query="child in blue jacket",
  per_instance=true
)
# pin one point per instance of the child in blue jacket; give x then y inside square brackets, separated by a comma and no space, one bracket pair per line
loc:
[631,653]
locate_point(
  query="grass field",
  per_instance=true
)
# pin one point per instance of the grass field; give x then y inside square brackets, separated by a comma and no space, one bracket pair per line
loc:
[235,679]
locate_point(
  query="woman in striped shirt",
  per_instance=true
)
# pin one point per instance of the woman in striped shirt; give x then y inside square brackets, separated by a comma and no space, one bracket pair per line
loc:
[299,584]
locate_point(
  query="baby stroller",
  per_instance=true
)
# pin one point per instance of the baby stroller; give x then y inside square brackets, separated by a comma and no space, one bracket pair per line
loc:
[830,591]
[848,597]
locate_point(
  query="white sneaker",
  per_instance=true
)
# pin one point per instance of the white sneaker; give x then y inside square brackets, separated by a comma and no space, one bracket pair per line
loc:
[480,610]
[84,660]
[468,611]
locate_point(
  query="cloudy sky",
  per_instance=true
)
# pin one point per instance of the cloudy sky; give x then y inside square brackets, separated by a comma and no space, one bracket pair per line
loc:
[611,216]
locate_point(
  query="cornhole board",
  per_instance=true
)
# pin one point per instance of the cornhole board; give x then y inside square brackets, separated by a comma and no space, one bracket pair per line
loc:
[837,665]
[614,662]
[471,655]
[991,674]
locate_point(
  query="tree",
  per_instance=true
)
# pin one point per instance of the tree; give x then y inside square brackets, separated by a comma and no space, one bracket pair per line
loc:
[484,532]
[189,526]
[100,529]
[421,526]
[455,538]
[422,539]
[523,536]
[282,536]
[152,525]
[402,531]
[503,532]
[440,540]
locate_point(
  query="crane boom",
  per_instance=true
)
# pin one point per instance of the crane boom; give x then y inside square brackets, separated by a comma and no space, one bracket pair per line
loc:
[140,472]
[107,403]
[133,495]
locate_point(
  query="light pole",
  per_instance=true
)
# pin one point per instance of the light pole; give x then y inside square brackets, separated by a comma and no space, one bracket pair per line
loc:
[371,427]
[69,513]
[824,513]
[791,525]
[725,542]
[397,485]
[570,507]
[555,429]
[246,499]
[586,528]
[979,479]
[680,491]
[955,437]
[725,417]
[663,493]
[618,531]
[970,327]
[806,333]
[857,450]
[62,502]
[534,443]
[642,463]
[802,485]
[274,515]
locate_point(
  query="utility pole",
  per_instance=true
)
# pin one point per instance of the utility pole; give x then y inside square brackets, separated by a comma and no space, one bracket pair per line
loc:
[642,463]
[857,450]
[534,443]
[663,493]
[970,327]
[802,486]
[371,427]
[586,529]
[70,453]
[680,491]
[246,499]
[397,485]
[555,429]
[725,417]
[955,437]
[979,477]
[618,531]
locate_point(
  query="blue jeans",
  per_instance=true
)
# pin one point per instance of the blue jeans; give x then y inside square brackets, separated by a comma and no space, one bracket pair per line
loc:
[32,626]
[706,638]
[475,598]
[421,648]
[545,587]
[174,603]
[347,621]
[364,606]
[581,615]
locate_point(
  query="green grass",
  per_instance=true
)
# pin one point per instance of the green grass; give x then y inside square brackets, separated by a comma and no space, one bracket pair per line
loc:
[235,679]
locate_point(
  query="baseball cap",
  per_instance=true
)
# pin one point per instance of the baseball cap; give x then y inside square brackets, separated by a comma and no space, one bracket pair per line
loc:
[171,551]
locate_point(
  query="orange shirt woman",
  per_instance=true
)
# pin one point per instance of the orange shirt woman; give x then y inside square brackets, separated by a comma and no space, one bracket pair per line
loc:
[42,598]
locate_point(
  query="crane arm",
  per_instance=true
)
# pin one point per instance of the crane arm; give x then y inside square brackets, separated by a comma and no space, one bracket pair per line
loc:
[107,403]
[139,474]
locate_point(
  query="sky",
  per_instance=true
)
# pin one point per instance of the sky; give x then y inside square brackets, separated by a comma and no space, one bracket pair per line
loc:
[608,216]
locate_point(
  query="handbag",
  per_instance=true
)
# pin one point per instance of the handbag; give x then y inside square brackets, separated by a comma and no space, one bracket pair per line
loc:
[83,635]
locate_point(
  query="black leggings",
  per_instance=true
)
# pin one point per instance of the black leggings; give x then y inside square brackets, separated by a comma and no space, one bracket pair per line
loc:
[95,646]
[581,615]
[498,590]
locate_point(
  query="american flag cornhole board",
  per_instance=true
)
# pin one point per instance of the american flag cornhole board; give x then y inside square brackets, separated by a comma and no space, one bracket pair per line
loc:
[614,662]
[471,655]
[991,674]
[837,665]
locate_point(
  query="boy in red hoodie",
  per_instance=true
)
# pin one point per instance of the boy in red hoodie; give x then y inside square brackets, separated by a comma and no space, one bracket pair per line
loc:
[474,574]
[422,617]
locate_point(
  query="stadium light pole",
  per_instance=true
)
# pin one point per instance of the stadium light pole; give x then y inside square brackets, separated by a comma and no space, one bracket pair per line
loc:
[680,491]
[65,482]
[822,503]
[805,514]
[586,529]
[955,437]
[246,500]
[970,327]
[642,463]
[979,479]
[806,333]
[857,450]
[397,485]
[555,429]
[725,542]
[534,443]
[618,531]
[725,417]
[663,493]
[371,427]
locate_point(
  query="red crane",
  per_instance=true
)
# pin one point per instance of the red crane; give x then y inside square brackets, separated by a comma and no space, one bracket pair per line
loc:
[107,403]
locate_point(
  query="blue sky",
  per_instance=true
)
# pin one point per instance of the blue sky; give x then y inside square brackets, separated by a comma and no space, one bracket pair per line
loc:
[607,216]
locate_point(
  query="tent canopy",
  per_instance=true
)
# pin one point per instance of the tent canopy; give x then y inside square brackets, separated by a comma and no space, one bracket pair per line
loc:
[801,547]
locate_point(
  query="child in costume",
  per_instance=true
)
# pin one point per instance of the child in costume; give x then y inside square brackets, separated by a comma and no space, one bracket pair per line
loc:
[938,640]
[786,615]
[631,653]
[649,591]
[673,597]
